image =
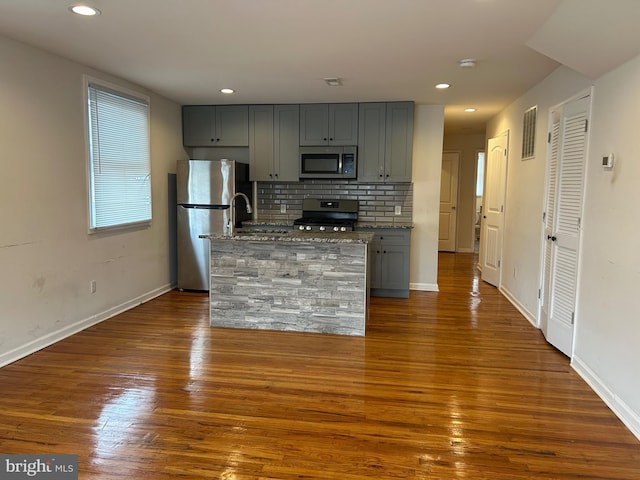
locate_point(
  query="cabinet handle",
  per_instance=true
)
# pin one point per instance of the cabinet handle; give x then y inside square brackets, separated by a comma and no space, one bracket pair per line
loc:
[384,251]
[276,175]
[331,139]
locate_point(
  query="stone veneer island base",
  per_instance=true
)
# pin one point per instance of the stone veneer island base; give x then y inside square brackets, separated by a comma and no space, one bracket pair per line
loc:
[294,282]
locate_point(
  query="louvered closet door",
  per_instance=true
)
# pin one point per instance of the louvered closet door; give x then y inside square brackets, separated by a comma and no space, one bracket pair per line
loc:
[549,216]
[565,234]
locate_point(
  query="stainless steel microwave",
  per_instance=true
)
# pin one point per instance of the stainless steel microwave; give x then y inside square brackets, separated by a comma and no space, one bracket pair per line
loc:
[328,162]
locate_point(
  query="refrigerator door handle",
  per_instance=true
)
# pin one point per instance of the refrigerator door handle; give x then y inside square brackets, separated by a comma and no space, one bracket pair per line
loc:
[204,207]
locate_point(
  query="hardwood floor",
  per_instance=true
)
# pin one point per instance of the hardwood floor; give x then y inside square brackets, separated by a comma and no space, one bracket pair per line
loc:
[448,385]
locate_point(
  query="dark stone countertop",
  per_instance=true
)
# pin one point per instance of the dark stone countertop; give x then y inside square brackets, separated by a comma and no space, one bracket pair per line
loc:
[295,236]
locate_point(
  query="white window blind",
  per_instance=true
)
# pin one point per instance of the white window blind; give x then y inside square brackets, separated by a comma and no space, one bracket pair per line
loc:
[120,167]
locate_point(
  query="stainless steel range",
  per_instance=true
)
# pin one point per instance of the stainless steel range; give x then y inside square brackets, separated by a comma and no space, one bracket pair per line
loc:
[320,215]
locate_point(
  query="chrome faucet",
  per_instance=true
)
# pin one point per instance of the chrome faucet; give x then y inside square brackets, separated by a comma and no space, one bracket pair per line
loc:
[232,212]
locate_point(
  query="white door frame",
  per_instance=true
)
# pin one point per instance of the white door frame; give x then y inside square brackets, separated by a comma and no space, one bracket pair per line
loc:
[557,332]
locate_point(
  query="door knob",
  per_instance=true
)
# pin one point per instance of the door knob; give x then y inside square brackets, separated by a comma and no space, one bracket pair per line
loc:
[453,207]
[553,238]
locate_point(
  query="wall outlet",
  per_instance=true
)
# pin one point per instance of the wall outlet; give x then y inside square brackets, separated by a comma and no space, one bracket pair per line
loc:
[283,208]
[398,210]
[92,286]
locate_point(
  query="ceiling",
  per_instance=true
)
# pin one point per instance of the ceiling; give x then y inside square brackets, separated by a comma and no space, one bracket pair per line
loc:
[279,51]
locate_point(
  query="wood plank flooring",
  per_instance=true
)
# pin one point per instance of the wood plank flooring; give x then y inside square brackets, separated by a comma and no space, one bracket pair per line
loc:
[448,385]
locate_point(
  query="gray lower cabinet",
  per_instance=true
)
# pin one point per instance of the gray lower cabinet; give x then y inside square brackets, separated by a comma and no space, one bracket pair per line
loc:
[385,142]
[215,125]
[273,143]
[328,124]
[389,262]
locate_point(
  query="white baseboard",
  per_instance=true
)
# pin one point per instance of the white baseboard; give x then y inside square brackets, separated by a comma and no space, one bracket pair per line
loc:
[526,313]
[425,287]
[464,250]
[630,418]
[53,337]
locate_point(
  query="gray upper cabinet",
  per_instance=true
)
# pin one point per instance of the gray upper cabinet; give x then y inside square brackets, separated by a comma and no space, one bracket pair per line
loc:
[385,147]
[215,126]
[329,124]
[273,142]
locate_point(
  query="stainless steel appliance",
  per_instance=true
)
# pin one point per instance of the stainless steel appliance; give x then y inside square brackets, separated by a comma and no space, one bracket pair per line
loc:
[205,192]
[321,215]
[328,162]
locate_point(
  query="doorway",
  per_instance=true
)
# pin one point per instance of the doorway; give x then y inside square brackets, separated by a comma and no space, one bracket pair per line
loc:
[566,166]
[448,222]
[479,192]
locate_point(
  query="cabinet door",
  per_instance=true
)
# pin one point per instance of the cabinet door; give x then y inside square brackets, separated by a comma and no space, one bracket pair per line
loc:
[399,142]
[343,124]
[232,126]
[314,124]
[371,142]
[261,131]
[286,138]
[198,125]
[395,267]
[375,262]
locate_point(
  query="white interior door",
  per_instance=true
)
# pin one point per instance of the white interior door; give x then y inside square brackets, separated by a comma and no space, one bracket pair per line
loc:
[448,202]
[562,234]
[493,209]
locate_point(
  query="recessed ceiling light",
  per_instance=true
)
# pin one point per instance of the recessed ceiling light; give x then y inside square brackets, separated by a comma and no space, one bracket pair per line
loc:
[85,10]
[470,110]
[442,86]
[227,90]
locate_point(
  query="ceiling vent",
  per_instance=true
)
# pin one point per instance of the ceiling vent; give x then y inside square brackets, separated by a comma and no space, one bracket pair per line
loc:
[333,82]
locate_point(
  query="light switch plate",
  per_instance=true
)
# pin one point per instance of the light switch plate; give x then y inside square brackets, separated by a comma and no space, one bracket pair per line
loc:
[398,210]
[283,208]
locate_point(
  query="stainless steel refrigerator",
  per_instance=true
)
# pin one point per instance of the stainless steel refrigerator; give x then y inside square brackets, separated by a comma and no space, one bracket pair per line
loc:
[204,192]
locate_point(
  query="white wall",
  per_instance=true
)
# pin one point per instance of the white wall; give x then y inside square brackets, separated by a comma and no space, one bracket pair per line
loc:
[607,334]
[607,340]
[427,165]
[524,204]
[47,258]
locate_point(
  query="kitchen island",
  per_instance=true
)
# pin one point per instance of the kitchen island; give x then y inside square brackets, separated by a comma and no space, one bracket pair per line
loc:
[298,281]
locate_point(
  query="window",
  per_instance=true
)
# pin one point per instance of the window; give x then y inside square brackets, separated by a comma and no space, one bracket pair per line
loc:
[119,161]
[529,132]
[480,174]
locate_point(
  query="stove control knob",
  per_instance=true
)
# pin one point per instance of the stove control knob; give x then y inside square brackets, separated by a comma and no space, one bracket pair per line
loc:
[300,227]
[343,229]
[322,228]
[308,227]
[336,229]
